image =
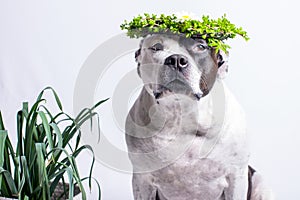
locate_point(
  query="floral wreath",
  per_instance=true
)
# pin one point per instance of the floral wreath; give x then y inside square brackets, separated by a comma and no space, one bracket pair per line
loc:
[214,31]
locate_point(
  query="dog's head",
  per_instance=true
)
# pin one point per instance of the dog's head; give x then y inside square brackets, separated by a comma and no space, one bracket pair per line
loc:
[174,64]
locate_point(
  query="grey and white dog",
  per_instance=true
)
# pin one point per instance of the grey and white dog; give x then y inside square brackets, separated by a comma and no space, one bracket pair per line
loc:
[186,132]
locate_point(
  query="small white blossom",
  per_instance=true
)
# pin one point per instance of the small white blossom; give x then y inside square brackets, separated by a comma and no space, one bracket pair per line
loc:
[183,16]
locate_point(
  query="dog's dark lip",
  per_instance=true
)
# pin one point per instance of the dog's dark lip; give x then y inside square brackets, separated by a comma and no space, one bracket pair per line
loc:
[159,91]
[198,96]
[157,94]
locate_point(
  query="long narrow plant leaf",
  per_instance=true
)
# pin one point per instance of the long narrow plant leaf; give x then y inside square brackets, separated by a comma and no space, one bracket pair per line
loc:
[78,138]
[26,174]
[70,162]
[99,103]
[30,131]
[43,177]
[77,178]
[59,136]
[25,109]
[3,135]
[57,177]
[19,133]
[21,184]
[1,122]
[86,111]
[77,152]
[5,149]
[98,186]
[71,185]
[42,107]
[9,180]
[56,153]
[47,128]
[67,136]
[59,104]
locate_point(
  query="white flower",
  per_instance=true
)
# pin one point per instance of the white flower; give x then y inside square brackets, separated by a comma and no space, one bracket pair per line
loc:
[183,16]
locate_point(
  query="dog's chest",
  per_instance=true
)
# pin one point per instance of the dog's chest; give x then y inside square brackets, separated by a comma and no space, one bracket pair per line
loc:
[189,176]
[191,179]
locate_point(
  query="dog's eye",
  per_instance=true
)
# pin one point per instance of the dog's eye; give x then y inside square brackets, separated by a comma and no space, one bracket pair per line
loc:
[200,47]
[157,47]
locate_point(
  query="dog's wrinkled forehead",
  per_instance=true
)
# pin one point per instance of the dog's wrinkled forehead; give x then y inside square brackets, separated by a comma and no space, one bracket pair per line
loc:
[171,44]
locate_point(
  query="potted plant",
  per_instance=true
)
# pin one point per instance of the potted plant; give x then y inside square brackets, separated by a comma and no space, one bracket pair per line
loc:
[44,156]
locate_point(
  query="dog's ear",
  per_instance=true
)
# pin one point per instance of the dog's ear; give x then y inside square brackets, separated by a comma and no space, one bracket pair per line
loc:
[222,61]
[137,57]
[137,54]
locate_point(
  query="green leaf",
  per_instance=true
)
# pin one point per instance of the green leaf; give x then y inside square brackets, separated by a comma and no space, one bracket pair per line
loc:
[69,161]
[71,185]
[59,104]
[1,122]
[99,103]
[26,174]
[47,129]
[87,147]
[59,136]
[3,135]
[19,133]
[42,173]
[98,186]
[9,180]
[219,29]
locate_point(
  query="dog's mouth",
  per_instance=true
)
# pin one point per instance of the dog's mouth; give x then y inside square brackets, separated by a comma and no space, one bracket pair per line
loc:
[161,94]
[175,87]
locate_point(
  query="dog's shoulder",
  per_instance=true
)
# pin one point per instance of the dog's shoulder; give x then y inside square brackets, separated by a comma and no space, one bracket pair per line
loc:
[233,109]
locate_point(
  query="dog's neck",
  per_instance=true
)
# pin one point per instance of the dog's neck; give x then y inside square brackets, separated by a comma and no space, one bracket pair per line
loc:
[174,109]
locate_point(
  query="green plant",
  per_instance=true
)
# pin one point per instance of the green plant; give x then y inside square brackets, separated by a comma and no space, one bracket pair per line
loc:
[44,152]
[213,31]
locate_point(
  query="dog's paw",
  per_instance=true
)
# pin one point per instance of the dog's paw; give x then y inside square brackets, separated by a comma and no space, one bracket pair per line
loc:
[259,190]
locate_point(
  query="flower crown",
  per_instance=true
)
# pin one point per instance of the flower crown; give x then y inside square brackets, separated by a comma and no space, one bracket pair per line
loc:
[214,31]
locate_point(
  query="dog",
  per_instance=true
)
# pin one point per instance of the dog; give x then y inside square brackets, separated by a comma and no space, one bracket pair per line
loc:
[186,133]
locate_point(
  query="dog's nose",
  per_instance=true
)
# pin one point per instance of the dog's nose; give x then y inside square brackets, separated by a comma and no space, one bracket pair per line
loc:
[176,61]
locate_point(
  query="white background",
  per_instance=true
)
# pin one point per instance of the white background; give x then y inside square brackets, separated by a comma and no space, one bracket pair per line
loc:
[46,43]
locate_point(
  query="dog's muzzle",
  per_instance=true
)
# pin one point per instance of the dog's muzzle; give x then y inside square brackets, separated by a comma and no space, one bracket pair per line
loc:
[175,78]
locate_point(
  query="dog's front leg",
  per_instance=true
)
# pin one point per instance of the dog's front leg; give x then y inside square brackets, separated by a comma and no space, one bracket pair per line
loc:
[237,185]
[143,189]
